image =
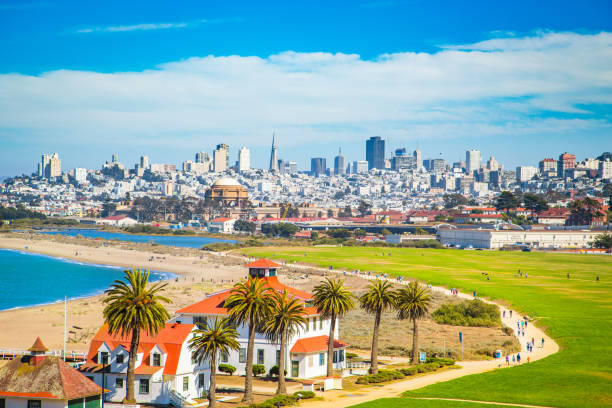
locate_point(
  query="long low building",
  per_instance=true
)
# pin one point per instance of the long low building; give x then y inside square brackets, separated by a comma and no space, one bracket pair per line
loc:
[494,239]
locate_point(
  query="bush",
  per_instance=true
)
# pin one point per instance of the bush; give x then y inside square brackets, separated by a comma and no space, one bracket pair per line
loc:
[351,356]
[409,371]
[468,313]
[258,369]
[274,371]
[508,331]
[382,376]
[226,368]
[304,394]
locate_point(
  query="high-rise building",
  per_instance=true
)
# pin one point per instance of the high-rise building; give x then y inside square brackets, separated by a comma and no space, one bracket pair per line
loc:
[80,175]
[221,158]
[318,166]
[472,159]
[244,159]
[375,152]
[492,164]
[417,156]
[50,166]
[525,173]
[115,159]
[339,164]
[605,169]
[360,167]
[402,161]
[548,167]
[273,155]
[144,162]
[168,187]
[566,161]
[201,157]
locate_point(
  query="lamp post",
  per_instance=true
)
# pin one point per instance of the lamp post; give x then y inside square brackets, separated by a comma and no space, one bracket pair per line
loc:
[103,380]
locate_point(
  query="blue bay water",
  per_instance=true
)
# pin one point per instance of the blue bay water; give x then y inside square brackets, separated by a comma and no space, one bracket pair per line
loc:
[32,279]
[170,240]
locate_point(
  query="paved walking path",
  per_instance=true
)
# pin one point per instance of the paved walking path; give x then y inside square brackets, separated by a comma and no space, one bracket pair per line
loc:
[341,398]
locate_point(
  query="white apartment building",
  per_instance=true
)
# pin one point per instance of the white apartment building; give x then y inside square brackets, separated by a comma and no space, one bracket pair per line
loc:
[306,352]
[360,167]
[495,239]
[244,159]
[525,173]
[472,160]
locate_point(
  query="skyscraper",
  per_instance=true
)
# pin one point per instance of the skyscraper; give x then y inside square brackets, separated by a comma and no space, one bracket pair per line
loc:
[221,158]
[566,161]
[417,156]
[144,162]
[492,164]
[339,164]
[50,166]
[244,159]
[375,153]
[318,166]
[472,160]
[273,158]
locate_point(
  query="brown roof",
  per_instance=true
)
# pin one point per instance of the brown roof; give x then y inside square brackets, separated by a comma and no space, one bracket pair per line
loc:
[38,346]
[51,377]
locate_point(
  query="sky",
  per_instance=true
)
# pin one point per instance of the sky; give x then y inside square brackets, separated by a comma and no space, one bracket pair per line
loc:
[518,80]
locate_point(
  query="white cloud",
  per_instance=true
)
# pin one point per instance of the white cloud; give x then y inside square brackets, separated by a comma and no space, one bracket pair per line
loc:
[495,88]
[139,27]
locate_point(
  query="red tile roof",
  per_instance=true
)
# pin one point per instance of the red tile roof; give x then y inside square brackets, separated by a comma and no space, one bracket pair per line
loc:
[314,344]
[170,340]
[38,346]
[221,219]
[263,263]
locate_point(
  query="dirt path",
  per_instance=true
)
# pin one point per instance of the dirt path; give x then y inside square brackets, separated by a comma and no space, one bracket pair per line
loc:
[341,398]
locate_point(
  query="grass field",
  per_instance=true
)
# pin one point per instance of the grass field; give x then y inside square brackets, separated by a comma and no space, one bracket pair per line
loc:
[576,312]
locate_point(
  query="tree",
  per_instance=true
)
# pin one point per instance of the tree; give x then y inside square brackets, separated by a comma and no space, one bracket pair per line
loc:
[347,212]
[413,302]
[108,208]
[506,200]
[583,211]
[314,235]
[603,241]
[359,233]
[332,300]
[286,317]
[211,339]
[364,208]
[454,200]
[130,308]
[339,233]
[249,304]
[535,202]
[379,298]
[385,232]
[246,226]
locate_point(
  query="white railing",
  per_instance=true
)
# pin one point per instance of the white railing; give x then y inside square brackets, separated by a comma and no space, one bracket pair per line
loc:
[177,399]
[74,355]
[357,364]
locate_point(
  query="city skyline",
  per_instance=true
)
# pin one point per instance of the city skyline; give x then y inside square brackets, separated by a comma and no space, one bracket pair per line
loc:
[518,88]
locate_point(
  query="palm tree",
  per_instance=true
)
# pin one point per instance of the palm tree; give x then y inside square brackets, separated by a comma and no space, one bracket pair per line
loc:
[286,317]
[332,300]
[211,339]
[379,297]
[412,302]
[249,304]
[132,307]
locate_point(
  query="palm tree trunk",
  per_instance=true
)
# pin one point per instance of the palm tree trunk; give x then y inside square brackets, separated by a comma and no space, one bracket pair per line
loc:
[212,401]
[330,346]
[129,397]
[415,342]
[282,388]
[374,356]
[248,381]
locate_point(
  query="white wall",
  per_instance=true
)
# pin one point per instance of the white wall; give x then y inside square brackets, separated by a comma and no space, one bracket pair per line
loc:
[23,403]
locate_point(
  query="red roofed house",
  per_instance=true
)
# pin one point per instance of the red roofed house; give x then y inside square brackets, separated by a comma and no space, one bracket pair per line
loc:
[306,352]
[41,381]
[165,371]
[118,221]
[222,225]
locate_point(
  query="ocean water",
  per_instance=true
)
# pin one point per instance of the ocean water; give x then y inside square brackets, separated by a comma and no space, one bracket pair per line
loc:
[32,279]
[170,240]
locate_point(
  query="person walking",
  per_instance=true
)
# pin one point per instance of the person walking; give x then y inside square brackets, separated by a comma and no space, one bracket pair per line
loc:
[518,358]
[507,360]
[511,314]
[513,359]
[542,342]
[504,314]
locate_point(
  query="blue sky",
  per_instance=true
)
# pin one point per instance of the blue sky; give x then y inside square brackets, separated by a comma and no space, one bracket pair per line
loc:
[521,81]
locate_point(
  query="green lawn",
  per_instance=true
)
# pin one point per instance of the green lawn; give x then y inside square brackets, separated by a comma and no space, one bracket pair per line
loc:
[411,403]
[576,312]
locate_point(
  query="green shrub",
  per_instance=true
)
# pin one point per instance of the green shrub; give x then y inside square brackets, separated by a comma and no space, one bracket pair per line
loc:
[304,394]
[468,313]
[274,371]
[409,371]
[258,369]
[508,331]
[226,368]
[382,376]
[351,356]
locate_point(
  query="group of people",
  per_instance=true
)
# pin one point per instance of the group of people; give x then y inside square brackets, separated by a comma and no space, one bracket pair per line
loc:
[509,313]
[515,359]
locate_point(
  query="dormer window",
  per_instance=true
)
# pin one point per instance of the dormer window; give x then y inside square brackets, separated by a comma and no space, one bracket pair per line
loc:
[156,360]
[119,358]
[103,357]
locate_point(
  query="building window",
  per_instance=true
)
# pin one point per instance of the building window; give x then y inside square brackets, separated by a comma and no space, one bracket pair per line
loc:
[260,356]
[242,355]
[340,355]
[321,359]
[119,358]
[224,357]
[321,324]
[103,357]
[335,360]
[118,382]
[277,357]
[307,325]
[201,380]
[33,403]
[144,386]
[186,383]
[314,323]
[2,403]
[156,360]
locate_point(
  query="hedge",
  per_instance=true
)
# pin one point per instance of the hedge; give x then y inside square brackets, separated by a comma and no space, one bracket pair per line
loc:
[432,364]
[227,368]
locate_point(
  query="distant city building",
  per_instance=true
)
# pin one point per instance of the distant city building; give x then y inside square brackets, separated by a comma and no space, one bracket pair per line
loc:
[228,192]
[434,165]
[221,158]
[244,159]
[417,156]
[375,152]
[566,161]
[360,167]
[144,162]
[339,164]
[492,164]
[402,161]
[50,166]
[548,167]
[115,159]
[318,166]
[80,175]
[525,173]
[605,170]
[196,168]
[168,187]
[201,157]
[273,155]
[472,160]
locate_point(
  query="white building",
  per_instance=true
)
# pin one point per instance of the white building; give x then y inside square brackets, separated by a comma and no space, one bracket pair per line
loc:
[165,370]
[244,159]
[118,221]
[525,173]
[80,175]
[494,239]
[220,158]
[472,160]
[360,167]
[222,225]
[605,169]
[306,352]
